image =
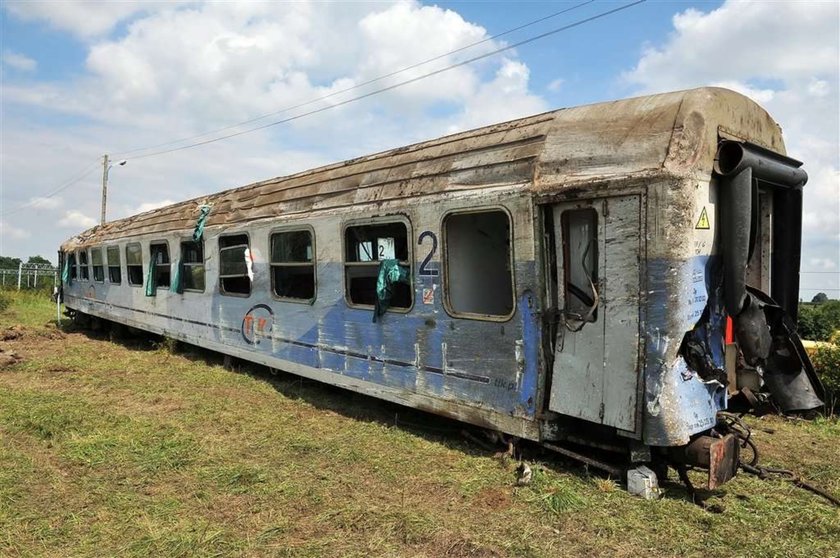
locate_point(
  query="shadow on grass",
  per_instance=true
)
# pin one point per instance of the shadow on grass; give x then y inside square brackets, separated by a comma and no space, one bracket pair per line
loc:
[459,436]
[319,395]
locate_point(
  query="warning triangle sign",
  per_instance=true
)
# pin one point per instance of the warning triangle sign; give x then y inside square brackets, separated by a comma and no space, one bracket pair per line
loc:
[703,221]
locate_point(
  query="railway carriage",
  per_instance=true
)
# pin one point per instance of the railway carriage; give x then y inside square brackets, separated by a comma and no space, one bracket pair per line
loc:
[607,275]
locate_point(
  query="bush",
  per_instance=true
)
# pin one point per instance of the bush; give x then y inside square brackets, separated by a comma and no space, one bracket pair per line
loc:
[826,360]
[818,321]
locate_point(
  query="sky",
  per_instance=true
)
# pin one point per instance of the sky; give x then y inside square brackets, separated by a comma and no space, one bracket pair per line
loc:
[81,79]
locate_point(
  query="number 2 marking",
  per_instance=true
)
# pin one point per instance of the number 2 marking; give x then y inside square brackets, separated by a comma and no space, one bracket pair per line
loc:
[423,269]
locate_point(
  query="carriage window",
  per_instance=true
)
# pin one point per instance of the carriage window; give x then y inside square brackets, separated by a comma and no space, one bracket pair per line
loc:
[71,263]
[580,257]
[83,264]
[479,279]
[192,263]
[114,273]
[98,265]
[292,265]
[134,264]
[234,276]
[366,247]
[160,259]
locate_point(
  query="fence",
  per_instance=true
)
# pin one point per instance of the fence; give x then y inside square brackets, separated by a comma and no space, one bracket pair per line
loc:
[30,276]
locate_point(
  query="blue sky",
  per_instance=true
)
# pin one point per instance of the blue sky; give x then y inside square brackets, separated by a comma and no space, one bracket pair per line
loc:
[82,79]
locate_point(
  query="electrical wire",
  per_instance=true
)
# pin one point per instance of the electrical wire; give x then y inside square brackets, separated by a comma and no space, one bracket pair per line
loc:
[396,85]
[81,176]
[578,23]
[359,85]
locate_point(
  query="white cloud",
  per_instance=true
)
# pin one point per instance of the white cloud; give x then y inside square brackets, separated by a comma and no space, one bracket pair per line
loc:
[44,203]
[74,219]
[784,55]
[822,264]
[148,206]
[818,87]
[761,96]
[503,98]
[15,233]
[744,40]
[81,18]
[19,61]
[159,71]
[556,85]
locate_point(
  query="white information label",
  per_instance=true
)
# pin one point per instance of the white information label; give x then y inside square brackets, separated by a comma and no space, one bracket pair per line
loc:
[386,249]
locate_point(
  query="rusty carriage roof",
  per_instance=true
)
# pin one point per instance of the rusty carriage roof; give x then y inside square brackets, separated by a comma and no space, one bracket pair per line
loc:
[674,133]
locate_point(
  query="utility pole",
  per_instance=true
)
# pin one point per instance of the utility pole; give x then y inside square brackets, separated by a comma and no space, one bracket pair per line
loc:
[105,169]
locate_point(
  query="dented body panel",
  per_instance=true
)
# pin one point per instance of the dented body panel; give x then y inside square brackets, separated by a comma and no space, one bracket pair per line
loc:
[648,160]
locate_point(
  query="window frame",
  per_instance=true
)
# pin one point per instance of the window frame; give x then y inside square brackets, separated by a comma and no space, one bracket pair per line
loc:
[152,244]
[93,265]
[564,286]
[219,274]
[183,264]
[83,267]
[108,249]
[127,274]
[400,218]
[314,263]
[74,270]
[444,254]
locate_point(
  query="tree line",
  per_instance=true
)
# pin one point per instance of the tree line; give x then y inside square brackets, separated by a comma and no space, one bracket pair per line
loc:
[7,262]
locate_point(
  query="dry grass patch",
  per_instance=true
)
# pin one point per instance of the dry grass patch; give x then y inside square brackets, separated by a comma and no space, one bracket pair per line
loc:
[126,447]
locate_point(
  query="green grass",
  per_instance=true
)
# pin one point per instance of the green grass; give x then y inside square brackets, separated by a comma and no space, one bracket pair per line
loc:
[133,448]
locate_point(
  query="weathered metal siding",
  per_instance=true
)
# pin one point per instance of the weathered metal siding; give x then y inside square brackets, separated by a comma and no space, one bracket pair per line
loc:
[480,371]
[596,373]
[483,372]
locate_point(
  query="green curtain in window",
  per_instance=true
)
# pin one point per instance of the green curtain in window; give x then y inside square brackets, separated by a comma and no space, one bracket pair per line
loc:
[176,285]
[65,274]
[151,276]
[204,211]
[390,273]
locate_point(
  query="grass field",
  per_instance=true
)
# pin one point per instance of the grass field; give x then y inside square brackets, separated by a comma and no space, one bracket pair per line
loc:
[138,448]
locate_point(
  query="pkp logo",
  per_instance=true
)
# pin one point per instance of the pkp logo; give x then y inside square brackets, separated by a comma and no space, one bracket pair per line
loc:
[257,323]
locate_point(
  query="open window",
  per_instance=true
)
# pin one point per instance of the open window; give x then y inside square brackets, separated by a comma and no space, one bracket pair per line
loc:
[580,255]
[98,265]
[83,265]
[71,264]
[163,270]
[134,264]
[114,272]
[234,278]
[366,247]
[478,270]
[192,265]
[293,265]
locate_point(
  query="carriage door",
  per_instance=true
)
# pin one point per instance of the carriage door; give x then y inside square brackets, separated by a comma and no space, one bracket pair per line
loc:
[595,373]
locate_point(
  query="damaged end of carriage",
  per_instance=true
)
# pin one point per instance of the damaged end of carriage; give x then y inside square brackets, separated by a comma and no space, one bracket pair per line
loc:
[746,340]
[764,324]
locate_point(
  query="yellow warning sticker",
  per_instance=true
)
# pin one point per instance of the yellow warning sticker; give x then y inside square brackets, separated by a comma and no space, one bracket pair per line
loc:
[703,221]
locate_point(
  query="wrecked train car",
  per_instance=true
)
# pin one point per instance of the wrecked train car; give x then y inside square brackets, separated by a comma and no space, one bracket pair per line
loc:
[606,275]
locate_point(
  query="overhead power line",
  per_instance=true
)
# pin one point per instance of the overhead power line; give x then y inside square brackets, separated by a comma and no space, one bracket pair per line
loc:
[89,169]
[78,178]
[357,86]
[396,85]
